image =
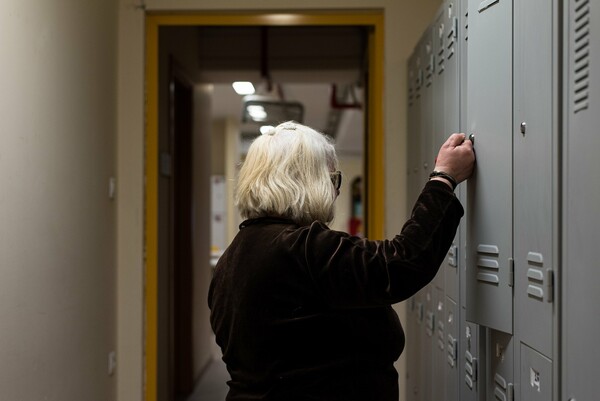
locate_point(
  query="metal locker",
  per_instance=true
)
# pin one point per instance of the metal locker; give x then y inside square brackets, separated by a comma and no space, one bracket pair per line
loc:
[439,347]
[470,362]
[426,344]
[463,188]
[500,369]
[428,116]
[437,115]
[426,126]
[451,98]
[536,171]
[414,183]
[452,322]
[536,376]
[581,197]
[489,263]
[412,351]
[439,77]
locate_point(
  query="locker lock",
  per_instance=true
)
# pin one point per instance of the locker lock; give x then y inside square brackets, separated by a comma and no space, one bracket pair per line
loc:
[472,138]
[523,128]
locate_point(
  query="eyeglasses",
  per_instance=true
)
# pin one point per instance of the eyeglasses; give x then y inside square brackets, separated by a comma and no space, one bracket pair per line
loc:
[336,179]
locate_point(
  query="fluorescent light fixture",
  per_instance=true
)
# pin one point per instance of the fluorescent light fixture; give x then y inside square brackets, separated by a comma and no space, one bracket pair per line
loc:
[266,128]
[243,87]
[257,112]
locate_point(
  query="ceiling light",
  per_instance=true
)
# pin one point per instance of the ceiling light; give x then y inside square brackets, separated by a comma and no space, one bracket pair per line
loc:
[243,87]
[257,112]
[270,110]
[266,128]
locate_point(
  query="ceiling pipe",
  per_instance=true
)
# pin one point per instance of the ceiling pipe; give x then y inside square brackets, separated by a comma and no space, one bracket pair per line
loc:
[264,57]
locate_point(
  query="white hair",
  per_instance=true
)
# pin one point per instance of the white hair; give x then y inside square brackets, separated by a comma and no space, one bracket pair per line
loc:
[287,174]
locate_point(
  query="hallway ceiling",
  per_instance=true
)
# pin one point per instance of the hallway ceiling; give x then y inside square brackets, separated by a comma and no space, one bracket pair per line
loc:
[316,99]
[300,64]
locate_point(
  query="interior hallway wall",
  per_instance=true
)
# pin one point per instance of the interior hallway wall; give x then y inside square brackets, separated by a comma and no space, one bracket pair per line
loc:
[57,235]
[404,20]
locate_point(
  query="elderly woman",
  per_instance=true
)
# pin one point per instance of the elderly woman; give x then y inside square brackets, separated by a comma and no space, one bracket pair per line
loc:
[303,312]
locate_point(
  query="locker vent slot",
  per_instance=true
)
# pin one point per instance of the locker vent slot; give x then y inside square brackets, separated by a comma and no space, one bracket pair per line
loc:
[466,26]
[452,350]
[440,52]
[500,388]
[418,83]
[441,341]
[420,309]
[487,264]
[535,276]
[470,369]
[453,256]
[451,37]
[429,72]
[440,328]
[485,4]
[581,47]
[430,324]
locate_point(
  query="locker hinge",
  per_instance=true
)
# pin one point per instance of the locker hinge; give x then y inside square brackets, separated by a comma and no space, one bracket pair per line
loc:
[549,280]
[511,272]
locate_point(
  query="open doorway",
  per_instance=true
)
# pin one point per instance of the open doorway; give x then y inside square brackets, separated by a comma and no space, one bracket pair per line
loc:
[170,364]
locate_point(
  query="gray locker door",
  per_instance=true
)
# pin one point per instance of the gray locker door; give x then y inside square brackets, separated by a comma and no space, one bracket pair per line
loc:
[426,128]
[451,52]
[414,185]
[439,78]
[581,200]
[463,188]
[536,376]
[429,119]
[500,371]
[413,146]
[489,258]
[535,172]
[452,323]
[439,75]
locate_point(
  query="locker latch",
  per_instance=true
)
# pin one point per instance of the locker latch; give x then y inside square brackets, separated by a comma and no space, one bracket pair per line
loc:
[549,282]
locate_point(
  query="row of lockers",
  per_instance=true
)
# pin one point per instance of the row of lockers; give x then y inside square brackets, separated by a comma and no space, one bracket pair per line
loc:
[510,315]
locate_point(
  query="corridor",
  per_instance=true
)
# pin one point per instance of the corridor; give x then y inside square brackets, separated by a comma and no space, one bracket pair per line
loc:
[213,383]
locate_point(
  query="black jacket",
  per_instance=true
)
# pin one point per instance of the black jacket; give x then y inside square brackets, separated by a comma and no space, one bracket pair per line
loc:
[303,313]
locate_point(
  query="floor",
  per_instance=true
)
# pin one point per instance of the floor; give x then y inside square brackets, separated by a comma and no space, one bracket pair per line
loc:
[213,384]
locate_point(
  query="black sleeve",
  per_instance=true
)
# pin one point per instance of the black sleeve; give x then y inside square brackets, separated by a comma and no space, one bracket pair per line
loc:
[353,272]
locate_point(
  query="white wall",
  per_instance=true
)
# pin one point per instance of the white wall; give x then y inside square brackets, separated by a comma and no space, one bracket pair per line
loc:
[57,236]
[404,21]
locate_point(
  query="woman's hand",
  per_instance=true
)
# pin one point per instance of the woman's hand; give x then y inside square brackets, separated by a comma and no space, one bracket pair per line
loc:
[456,158]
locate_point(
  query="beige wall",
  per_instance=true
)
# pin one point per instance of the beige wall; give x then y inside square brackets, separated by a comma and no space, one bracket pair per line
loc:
[57,238]
[404,22]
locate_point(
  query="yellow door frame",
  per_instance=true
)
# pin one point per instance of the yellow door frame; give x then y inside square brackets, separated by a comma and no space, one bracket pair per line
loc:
[374,141]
